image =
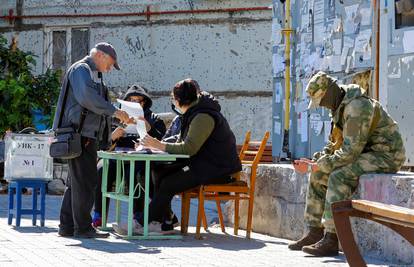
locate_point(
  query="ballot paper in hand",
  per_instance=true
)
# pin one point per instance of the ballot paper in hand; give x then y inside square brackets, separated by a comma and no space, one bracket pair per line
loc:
[134,110]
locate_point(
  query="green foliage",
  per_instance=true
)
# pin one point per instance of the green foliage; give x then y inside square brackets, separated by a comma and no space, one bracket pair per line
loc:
[21,91]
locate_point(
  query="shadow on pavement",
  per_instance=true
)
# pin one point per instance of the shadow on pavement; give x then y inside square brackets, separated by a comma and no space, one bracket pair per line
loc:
[216,241]
[34,229]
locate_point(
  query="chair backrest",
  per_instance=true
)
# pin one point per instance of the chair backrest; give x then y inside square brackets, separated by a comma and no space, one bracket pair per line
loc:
[255,148]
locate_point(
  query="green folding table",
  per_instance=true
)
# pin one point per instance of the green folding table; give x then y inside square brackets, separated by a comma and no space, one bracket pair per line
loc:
[120,195]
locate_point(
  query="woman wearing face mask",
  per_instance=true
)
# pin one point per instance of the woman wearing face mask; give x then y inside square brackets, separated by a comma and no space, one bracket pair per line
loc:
[207,138]
[123,141]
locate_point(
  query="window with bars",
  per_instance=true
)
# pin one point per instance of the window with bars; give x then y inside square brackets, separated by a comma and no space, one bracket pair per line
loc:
[62,56]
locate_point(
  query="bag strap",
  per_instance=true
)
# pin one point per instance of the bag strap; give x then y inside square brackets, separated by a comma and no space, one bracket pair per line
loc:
[62,111]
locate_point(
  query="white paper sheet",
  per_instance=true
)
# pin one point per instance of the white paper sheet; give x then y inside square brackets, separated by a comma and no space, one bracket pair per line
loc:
[408,41]
[134,110]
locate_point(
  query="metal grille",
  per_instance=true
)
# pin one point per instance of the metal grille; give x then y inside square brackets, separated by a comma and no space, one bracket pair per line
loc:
[80,44]
[59,50]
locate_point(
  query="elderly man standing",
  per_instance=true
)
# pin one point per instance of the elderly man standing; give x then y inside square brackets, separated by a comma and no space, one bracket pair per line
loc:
[364,139]
[88,108]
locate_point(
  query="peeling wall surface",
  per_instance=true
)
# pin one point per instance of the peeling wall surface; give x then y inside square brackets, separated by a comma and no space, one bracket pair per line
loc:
[228,53]
[329,35]
[339,37]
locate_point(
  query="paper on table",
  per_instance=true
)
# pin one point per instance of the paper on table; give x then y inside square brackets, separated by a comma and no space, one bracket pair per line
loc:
[146,150]
[134,110]
[408,41]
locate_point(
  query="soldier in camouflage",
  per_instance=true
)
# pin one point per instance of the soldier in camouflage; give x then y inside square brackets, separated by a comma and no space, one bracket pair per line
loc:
[364,139]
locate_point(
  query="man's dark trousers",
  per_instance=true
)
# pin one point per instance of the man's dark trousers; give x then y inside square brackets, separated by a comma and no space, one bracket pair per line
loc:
[78,199]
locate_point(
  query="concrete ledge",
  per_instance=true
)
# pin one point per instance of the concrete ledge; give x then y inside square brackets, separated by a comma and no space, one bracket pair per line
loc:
[280,202]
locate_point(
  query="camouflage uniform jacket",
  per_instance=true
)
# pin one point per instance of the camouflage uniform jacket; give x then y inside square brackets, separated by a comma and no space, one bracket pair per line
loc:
[366,127]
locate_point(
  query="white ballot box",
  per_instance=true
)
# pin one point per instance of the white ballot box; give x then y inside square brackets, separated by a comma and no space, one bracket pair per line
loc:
[27,157]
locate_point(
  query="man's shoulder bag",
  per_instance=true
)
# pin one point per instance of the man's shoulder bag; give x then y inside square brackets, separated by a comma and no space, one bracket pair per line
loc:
[67,142]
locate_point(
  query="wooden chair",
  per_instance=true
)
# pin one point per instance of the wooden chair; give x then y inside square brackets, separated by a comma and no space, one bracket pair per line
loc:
[238,190]
[397,218]
[194,192]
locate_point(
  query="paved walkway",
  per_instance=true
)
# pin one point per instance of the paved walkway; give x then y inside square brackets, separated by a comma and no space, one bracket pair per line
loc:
[36,246]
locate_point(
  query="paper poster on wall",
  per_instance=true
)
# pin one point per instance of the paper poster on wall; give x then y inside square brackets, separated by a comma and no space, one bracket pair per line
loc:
[331,9]
[278,64]
[362,41]
[278,92]
[335,64]
[304,126]
[408,41]
[276,36]
[277,128]
[327,130]
[344,54]
[318,34]
[318,11]
[365,16]
[337,46]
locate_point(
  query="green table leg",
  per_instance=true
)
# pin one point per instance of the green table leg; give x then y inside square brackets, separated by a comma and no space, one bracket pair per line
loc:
[131,196]
[104,190]
[146,199]
[118,189]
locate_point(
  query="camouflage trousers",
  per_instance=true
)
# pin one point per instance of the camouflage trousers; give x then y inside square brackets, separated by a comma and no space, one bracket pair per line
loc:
[326,188]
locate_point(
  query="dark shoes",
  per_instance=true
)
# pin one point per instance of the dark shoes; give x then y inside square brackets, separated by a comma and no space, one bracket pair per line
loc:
[314,235]
[327,246]
[93,233]
[65,233]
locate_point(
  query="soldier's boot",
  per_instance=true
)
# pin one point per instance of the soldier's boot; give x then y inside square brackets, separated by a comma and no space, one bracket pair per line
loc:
[327,246]
[314,235]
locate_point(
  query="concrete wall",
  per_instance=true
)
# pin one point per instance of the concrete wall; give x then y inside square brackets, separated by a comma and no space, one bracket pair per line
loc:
[228,53]
[280,203]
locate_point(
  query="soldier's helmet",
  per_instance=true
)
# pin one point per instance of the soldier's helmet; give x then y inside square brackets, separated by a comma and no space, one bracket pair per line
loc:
[317,87]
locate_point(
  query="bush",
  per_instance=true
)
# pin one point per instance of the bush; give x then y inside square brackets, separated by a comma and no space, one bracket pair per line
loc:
[21,91]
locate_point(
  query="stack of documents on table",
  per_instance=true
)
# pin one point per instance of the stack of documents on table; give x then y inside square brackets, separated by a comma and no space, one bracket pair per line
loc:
[146,150]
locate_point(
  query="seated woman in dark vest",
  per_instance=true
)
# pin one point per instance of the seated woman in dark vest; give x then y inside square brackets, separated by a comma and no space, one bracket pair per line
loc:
[207,138]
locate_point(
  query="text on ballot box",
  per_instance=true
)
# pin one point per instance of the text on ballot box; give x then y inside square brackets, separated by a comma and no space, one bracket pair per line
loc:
[27,157]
